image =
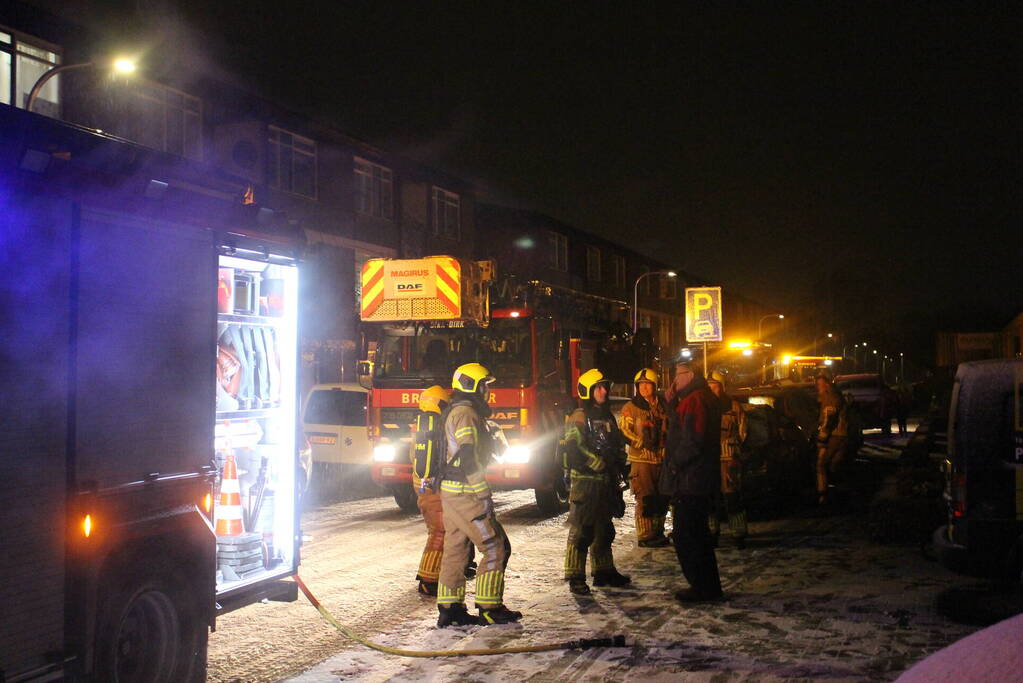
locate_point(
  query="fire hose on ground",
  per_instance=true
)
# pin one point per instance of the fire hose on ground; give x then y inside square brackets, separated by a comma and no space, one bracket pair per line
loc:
[581,644]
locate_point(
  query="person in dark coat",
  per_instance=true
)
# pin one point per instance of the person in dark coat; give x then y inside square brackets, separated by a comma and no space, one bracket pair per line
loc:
[691,477]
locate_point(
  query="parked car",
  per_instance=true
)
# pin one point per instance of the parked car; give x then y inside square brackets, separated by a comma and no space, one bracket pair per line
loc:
[875,401]
[984,471]
[778,452]
[334,423]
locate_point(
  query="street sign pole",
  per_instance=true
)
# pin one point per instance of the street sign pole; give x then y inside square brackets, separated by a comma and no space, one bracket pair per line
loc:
[705,375]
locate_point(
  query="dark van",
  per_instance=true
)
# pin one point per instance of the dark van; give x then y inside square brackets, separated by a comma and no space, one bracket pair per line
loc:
[984,471]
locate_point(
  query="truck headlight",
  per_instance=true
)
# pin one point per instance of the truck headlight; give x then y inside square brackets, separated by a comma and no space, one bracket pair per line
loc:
[516,455]
[384,453]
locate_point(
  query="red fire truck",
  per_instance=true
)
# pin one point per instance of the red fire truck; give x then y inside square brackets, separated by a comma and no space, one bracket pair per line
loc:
[435,315]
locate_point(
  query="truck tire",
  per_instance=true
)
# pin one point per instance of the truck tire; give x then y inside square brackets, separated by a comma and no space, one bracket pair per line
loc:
[406,498]
[549,501]
[150,629]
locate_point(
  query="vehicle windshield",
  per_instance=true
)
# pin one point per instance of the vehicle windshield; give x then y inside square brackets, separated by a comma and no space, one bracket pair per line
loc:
[866,383]
[431,354]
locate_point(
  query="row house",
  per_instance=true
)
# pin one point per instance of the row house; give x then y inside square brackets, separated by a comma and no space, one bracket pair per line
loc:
[349,200]
[532,246]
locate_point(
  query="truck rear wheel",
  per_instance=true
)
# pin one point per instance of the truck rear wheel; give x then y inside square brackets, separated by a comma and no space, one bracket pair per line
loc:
[406,498]
[149,630]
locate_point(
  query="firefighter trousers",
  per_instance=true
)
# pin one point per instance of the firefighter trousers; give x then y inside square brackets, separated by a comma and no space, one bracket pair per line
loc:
[589,527]
[730,502]
[433,514]
[651,506]
[830,459]
[467,523]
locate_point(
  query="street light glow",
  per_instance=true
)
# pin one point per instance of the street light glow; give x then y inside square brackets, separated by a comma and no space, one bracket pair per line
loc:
[123,65]
[671,273]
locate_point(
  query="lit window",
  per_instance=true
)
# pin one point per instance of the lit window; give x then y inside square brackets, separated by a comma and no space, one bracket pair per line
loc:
[292,164]
[558,251]
[23,60]
[162,118]
[446,213]
[374,192]
[593,264]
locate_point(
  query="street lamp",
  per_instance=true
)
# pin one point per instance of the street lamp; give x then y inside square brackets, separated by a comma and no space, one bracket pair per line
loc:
[635,295]
[120,65]
[760,322]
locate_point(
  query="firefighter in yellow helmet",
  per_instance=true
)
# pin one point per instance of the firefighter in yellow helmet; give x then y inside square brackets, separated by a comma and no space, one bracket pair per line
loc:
[645,426]
[594,455]
[426,448]
[469,509]
[733,433]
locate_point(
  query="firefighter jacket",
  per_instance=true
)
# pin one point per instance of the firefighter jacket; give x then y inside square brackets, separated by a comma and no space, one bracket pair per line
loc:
[644,426]
[833,420]
[692,465]
[594,445]
[733,428]
[468,447]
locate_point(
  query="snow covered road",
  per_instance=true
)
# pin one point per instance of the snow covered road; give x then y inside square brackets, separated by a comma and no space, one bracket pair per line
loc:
[809,598]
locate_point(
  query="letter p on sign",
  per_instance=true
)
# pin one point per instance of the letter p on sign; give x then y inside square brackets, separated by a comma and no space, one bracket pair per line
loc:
[703,314]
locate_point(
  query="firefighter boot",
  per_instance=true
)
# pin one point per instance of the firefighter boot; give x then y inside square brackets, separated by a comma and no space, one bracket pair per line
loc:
[498,615]
[610,577]
[454,615]
[428,588]
[578,587]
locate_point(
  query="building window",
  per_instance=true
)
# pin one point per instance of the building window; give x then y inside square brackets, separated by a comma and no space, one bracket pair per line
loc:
[23,60]
[292,164]
[617,266]
[558,251]
[446,213]
[667,287]
[164,119]
[664,332]
[644,286]
[593,264]
[374,190]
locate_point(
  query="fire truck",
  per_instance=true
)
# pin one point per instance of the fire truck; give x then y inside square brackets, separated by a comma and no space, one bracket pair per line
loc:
[148,448]
[439,312]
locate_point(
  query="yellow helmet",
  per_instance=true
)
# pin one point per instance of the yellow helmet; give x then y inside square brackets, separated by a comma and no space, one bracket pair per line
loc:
[430,399]
[590,379]
[468,377]
[717,376]
[646,375]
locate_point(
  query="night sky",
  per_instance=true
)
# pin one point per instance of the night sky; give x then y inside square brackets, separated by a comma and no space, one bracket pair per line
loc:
[864,156]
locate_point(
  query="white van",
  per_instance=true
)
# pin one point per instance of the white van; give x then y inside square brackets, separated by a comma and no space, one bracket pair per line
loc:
[334,422]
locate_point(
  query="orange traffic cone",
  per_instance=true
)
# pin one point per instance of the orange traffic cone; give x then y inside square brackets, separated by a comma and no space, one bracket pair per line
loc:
[229,508]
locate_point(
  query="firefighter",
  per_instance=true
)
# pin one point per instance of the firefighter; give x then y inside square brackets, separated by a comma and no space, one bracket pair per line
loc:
[644,424]
[432,403]
[832,435]
[469,509]
[595,458]
[733,433]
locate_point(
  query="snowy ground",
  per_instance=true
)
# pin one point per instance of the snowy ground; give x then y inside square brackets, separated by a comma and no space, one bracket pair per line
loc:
[810,598]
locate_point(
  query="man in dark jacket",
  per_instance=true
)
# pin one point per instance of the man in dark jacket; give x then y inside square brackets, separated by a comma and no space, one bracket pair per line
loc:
[691,476]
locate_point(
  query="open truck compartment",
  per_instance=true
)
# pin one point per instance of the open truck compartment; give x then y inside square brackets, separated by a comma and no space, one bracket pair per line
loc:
[254,434]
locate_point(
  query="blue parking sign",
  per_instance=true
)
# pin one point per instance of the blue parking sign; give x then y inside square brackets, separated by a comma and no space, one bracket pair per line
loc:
[703,314]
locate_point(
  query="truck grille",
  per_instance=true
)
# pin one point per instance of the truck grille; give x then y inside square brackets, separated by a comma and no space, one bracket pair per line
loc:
[396,422]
